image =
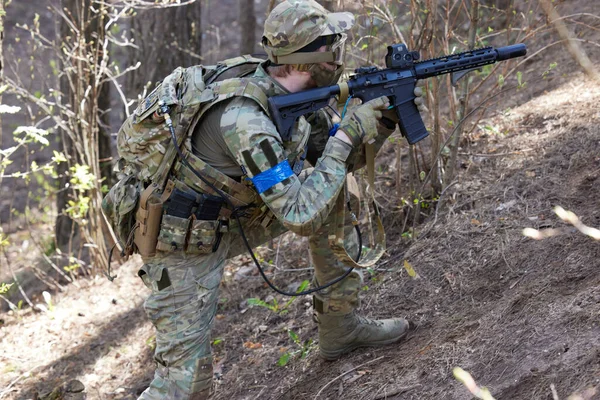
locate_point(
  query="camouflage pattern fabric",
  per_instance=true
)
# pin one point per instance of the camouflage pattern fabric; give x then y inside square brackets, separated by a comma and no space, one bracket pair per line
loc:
[182,307]
[119,206]
[254,141]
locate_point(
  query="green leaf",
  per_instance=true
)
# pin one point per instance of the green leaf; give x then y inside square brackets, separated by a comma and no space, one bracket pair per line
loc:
[303,286]
[58,157]
[293,336]
[5,287]
[284,359]
[257,302]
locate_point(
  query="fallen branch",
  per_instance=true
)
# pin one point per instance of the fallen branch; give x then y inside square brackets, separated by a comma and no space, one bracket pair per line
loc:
[344,374]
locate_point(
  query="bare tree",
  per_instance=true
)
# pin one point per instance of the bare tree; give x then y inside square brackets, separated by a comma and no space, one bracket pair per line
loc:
[247,26]
[328,4]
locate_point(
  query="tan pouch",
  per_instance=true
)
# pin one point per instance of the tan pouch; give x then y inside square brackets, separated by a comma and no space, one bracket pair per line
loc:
[146,235]
[148,217]
[173,233]
[203,236]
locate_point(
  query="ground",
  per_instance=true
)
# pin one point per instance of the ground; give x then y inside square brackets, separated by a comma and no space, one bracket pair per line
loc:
[520,315]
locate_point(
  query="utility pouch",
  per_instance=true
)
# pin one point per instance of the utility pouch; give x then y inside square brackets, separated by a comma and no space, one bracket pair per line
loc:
[173,233]
[181,204]
[148,217]
[204,237]
[176,221]
[146,234]
[209,207]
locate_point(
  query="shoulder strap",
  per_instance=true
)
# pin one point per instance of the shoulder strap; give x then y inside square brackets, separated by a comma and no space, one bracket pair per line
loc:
[242,87]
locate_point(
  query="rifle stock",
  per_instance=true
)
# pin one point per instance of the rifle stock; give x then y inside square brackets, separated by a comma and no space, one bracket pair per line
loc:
[397,81]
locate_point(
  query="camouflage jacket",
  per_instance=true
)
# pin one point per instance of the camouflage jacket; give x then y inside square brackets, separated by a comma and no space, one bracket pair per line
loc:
[250,140]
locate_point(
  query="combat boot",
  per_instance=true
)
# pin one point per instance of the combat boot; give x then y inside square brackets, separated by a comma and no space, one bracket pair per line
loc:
[340,334]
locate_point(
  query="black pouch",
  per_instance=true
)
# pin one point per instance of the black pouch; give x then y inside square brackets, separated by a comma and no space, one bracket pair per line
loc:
[209,208]
[181,204]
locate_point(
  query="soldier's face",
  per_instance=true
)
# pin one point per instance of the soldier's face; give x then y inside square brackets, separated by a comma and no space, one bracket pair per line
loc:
[325,73]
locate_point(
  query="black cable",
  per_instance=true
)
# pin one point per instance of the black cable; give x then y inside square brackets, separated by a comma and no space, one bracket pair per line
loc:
[165,111]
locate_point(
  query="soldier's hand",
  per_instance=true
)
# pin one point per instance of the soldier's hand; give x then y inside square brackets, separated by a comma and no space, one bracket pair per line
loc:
[361,124]
[390,118]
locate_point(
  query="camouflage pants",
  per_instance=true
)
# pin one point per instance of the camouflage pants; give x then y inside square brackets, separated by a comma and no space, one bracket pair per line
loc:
[184,298]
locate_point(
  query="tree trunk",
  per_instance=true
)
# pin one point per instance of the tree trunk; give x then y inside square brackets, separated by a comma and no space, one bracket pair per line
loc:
[167,38]
[247,26]
[328,4]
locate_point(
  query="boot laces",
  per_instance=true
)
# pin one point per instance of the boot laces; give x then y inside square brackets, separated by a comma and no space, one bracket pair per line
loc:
[368,321]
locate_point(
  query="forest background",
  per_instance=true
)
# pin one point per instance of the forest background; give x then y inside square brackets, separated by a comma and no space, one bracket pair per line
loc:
[72,71]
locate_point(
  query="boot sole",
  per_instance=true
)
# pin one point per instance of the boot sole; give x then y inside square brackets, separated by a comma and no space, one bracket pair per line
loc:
[332,355]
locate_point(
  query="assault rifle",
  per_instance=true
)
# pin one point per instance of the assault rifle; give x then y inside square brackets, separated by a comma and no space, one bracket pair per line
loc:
[397,81]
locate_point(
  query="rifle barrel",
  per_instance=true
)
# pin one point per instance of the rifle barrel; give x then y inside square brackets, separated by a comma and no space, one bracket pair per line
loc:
[467,60]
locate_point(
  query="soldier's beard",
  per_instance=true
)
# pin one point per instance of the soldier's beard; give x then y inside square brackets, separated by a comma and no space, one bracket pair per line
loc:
[321,76]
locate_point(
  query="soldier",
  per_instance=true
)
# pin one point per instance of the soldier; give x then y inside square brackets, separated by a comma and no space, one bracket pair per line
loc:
[305,47]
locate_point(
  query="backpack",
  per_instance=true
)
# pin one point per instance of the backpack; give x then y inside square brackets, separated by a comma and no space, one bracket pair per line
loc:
[145,146]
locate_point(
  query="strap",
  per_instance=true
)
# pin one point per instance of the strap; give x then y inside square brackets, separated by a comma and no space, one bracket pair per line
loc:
[238,193]
[344,92]
[304,58]
[336,232]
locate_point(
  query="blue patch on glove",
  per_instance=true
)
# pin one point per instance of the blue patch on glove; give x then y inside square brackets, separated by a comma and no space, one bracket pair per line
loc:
[271,177]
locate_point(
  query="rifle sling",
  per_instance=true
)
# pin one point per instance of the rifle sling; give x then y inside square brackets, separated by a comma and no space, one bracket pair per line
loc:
[336,232]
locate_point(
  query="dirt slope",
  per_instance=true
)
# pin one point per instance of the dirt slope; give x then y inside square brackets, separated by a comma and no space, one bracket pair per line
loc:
[519,314]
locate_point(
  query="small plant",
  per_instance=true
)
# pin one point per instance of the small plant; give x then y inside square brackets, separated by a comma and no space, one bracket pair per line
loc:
[274,305]
[5,287]
[374,277]
[302,349]
[550,68]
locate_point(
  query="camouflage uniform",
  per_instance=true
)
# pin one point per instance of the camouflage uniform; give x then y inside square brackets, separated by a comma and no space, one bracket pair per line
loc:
[237,137]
